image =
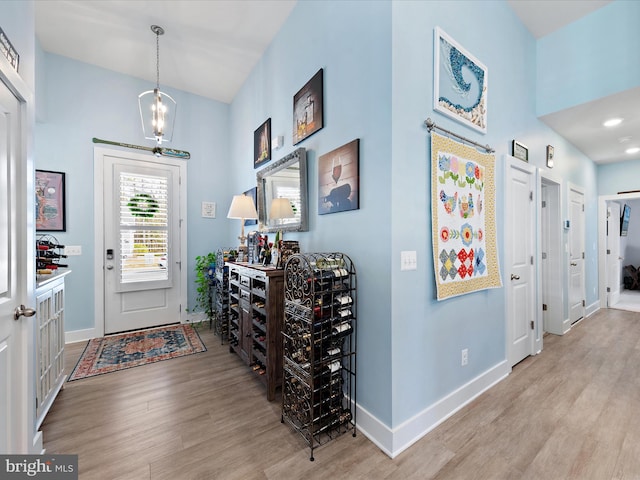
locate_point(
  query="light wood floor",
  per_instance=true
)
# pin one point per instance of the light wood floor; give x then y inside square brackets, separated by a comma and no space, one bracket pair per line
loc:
[572,412]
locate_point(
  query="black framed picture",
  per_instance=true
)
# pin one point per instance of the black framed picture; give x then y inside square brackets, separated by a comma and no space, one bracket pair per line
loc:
[262,144]
[339,179]
[308,115]
[50,201]
[520,151]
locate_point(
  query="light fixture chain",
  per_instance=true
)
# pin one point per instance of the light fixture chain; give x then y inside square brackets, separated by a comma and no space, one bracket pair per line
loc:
[158,60]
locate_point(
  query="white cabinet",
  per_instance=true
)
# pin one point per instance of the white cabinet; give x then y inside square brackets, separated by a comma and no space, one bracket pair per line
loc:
[50,376]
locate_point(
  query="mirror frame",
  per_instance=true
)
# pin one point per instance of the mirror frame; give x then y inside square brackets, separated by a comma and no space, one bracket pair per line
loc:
[297,156]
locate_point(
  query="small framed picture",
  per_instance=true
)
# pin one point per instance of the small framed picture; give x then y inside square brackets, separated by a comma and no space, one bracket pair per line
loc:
[308,109]
[50,202]
[262,144]
[520,151]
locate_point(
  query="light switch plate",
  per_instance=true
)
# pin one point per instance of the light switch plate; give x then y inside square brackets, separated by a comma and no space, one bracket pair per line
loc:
[408,260]
[208,210]
[71,250]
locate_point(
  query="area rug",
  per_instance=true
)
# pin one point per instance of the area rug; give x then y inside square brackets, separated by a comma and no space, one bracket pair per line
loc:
[119,352]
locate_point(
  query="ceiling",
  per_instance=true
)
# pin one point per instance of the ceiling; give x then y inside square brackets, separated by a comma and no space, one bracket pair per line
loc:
[211,46]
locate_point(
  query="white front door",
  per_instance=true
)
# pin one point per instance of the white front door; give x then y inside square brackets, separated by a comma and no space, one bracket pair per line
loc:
[614,258]
[576,255]
[520,236]
[142,241]
[15,374]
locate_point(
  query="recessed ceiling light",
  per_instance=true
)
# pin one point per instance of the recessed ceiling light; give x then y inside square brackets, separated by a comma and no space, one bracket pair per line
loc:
[612,122]
[632,150]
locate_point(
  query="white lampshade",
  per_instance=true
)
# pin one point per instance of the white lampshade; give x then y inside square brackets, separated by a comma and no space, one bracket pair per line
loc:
[281,208]
[242,207]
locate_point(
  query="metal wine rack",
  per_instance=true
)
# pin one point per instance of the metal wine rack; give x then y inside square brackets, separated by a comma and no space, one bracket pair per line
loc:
[48,254]
[221,296]
[319,346]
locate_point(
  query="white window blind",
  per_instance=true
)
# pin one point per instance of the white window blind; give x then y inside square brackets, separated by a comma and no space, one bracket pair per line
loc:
[144,228]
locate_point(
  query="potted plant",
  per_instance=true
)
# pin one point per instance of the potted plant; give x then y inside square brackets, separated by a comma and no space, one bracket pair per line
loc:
[205,273]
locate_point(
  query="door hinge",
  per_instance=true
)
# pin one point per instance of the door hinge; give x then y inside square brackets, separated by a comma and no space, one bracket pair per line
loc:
[608,289]
[608,252]
[544,204]
[583,207]
[584,304]
[531,195]
[531,259]
[583,255]
[544,255]
[544,307]
[532,327]
[180,308]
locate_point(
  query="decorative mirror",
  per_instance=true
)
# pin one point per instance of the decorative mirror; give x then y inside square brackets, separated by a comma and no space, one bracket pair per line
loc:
[284,179]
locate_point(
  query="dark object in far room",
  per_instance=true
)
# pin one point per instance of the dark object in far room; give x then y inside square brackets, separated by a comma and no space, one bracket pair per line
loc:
[631,278]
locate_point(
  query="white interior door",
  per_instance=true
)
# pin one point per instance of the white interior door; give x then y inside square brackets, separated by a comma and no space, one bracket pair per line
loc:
[142,242]
[614,258]
[576,255]
[15,374]
[520,236]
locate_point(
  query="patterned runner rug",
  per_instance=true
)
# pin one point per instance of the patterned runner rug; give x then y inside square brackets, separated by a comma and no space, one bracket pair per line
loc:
[118,352]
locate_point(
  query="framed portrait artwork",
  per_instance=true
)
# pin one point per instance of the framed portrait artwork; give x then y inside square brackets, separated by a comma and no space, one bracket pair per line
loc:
[50,201]
[262,144]
[339,179]
[460,83]
[308,109]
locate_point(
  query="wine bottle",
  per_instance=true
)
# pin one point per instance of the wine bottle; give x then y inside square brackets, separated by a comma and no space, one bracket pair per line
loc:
[48,244]
[342,329]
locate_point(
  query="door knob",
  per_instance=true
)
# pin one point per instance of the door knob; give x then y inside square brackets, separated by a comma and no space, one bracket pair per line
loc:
[109,267]
[515,277]
[23,311]
[574,264]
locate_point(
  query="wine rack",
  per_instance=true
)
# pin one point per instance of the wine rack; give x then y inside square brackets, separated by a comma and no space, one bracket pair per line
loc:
[48,255]
[319,346]
[221,296]
[255,320]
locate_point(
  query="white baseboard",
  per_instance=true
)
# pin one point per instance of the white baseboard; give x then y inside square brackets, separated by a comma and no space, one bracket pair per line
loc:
[593,308]
[80,335]
[395,441]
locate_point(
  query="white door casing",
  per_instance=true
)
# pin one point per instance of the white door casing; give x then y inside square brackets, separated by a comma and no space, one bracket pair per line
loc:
[17,340]
[141,287]
[614,257]
[576,254]
[520,251]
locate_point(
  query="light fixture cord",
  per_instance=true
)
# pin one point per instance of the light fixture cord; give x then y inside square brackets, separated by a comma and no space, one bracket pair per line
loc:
[158,60]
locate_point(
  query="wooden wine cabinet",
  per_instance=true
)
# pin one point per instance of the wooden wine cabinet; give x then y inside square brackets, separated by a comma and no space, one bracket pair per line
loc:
[256,300]
[319,346]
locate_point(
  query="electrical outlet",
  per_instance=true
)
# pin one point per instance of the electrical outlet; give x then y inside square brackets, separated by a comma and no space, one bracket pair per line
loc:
[465,356]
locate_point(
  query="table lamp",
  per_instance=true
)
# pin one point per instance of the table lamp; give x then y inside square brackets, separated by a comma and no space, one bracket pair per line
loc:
[242,207]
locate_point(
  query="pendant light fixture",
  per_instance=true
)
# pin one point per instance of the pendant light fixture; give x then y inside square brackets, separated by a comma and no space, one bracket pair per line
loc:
[157,109]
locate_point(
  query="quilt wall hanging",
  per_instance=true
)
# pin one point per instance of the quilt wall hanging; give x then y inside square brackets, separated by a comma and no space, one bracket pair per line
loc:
[463,218]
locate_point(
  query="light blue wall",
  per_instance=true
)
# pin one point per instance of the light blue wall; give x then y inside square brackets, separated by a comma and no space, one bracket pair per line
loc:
[618,177]
[429,335]
[81,101]
[591,58]
[351,41]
